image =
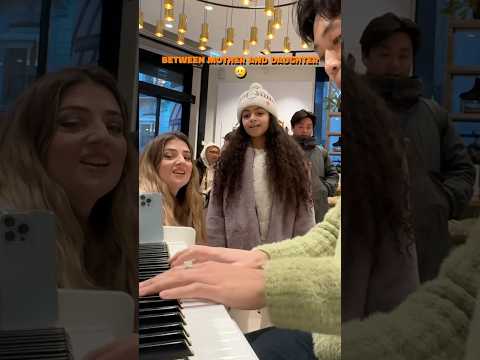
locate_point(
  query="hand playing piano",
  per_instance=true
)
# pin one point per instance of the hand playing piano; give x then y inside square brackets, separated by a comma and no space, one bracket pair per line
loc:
[200,254]
[233,285]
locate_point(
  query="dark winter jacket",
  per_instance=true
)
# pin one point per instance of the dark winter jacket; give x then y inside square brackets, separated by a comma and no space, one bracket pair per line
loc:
[324,175]
[441,173]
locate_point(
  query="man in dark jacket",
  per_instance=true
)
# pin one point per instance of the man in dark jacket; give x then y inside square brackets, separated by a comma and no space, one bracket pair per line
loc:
[441,173]
[323,174]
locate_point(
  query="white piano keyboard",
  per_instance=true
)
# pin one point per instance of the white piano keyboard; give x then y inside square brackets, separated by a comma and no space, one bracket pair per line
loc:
[213,333]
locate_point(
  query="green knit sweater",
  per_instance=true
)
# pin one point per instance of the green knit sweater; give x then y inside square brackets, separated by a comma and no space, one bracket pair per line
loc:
[303,292]
[303,284]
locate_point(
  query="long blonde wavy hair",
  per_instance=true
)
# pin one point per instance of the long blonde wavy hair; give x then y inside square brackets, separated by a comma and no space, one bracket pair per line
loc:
[104,256]
[185,209]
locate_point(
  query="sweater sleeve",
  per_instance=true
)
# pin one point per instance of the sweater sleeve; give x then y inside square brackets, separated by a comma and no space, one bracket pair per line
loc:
[319,241]
[304,293]
[431,324]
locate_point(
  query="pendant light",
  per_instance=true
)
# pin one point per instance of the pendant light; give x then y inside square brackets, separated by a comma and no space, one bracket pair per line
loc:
[182,21]
[269,8]
[270,34]
[204,32]
[254,29]
[266,49]
[181,38]
[224,46]
[246,50]
[168,4]
[277,18]
[140,17]
[286,40]
[230,30]
[169,15]
[160,25]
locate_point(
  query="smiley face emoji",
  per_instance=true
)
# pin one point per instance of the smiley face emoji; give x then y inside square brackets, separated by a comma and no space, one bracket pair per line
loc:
[241,72]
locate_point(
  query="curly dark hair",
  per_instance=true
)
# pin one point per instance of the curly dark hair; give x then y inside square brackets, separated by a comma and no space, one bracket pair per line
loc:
[307,10]
[286,166]
[375,180]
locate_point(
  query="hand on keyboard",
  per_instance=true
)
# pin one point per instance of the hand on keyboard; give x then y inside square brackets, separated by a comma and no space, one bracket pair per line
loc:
[237,286]
[200,254]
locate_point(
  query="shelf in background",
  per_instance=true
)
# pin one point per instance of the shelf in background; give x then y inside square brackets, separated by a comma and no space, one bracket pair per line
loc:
[335,153]
[465,24]
[334,114]
[465,117]
[334,133]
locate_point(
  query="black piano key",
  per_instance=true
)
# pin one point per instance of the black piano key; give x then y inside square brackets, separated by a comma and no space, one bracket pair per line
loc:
[155,338]
[162,318]
[158,302]
[150,329]
[162,333]
[149,310]
[175,349]
[36,344]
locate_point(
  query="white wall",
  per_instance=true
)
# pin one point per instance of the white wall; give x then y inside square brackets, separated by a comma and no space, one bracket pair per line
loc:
[292,87]
[357,14]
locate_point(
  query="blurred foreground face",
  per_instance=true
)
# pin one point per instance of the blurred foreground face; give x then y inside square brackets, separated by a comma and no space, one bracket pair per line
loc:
[392,57]
[87,152]
[175,169]
[327,39]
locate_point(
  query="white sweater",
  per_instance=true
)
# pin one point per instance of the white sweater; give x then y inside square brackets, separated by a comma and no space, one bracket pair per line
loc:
[263,195]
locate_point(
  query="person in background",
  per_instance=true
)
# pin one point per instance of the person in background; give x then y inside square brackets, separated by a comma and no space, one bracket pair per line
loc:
[166,167]
[441,173]
[206,168]
[324,175]
[261,191]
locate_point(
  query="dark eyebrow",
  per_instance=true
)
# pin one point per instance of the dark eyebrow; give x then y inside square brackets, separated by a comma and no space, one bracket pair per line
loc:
[176,151]
[84,109]
[74,107]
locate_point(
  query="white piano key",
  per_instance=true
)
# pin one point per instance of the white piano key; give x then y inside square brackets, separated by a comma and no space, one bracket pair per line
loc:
[213,333]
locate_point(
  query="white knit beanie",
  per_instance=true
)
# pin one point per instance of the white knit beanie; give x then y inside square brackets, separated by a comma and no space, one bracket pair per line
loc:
[258,96]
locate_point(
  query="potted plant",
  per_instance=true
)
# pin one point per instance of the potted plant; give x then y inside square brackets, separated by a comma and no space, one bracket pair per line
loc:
[462,8]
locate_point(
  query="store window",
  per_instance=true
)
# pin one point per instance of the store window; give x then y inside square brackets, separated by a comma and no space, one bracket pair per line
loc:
[329,120]
[157,116]
[39,36]
[19,45]
[74,34]
[164,98]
